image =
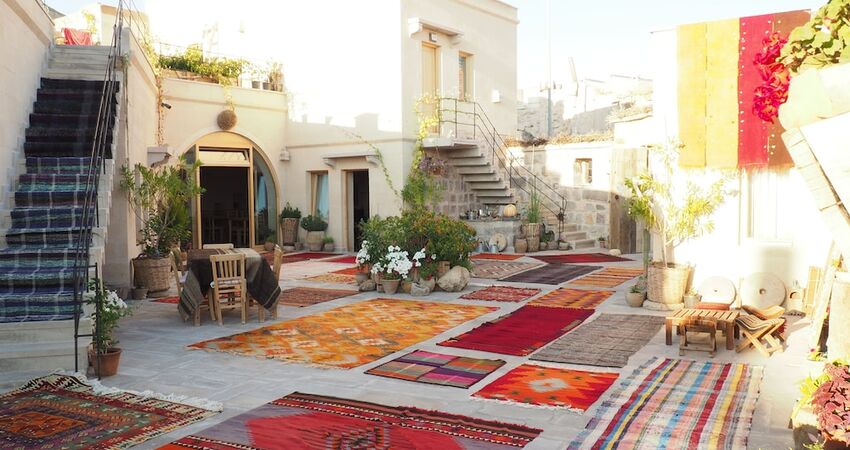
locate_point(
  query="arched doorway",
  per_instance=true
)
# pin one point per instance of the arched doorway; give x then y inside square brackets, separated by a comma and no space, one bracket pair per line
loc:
[240,200]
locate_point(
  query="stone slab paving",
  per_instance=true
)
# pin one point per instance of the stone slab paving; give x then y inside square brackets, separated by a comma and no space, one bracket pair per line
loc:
[155,358]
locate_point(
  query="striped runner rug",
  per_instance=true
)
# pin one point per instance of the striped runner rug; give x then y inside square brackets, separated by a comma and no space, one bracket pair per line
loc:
[677,404]
[608,277]
[572,298]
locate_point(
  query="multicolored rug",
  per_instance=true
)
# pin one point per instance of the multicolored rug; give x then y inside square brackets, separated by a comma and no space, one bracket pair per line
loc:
[522,331]
[495,270]
[312,422]
[572,298]
[536,385]
[336,278]
[551,274]
[496,256]
[169,300]
[67,412]
[576,258]
[609,277]
[674,403]
[350,259]
[303,296]
[438,368]
[305,256]
[501,294]
[347,271]
[608,341]
[350,335]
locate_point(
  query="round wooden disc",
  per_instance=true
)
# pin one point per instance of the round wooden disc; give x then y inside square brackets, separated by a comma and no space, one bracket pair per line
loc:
[500,241]
[762,290]
[717,290]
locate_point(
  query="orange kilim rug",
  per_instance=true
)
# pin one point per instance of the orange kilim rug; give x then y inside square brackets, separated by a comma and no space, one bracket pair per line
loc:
[572,298]
[608,277]
[348,271]
[551,387]
[304,296]
[348,336]
[337,278]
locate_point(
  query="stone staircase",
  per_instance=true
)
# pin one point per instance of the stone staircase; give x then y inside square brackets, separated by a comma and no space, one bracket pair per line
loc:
[41,227]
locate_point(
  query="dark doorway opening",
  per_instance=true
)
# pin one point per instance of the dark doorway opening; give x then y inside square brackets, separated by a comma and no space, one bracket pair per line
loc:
[360,201]
[224,205]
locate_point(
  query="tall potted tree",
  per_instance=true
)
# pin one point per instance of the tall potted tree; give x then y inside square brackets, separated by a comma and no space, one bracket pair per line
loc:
[160,197]
[533,221]
[674,217]
[289,218]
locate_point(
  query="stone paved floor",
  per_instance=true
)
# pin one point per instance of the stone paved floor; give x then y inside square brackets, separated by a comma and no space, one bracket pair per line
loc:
[155,358]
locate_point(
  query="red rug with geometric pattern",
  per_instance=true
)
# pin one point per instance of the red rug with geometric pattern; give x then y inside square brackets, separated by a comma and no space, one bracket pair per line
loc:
[303,296]
[306,422]
[537,385]
[572,298]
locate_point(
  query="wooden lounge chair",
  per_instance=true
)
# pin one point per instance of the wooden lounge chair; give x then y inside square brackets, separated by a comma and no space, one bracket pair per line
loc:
[773,312]
[764,335]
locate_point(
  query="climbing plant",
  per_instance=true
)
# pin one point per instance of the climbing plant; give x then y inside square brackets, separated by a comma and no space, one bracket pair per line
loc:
[823,41]
[422,189]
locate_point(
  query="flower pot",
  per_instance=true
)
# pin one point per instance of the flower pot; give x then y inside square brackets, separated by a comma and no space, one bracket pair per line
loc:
[414,275]
[667,284]
[267,86]
[105,363]
[635,299]
[140,293]
[691,300]
[551,245]
[314,240]
[390,286]
[533,243]
[328,247]
[268,246]
[563,245]
[520,245]
[378,278]
[532,230]
[289,230]
[257,84]
[152,273]
[442,268]
[360,277]
[405,286]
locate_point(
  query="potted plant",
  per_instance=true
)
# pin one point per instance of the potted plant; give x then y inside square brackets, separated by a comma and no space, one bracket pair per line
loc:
[674,217]
[271,241]
[139,292]
[397,268]
[103,355]
[315,226]
[159,196]
[829,396]
[275,71]
[635,296]
[289,218]
[603,242]
[691,298]
[533,222]
[328,244]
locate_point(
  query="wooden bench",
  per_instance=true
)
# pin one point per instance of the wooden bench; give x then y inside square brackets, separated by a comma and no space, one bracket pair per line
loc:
[725,323]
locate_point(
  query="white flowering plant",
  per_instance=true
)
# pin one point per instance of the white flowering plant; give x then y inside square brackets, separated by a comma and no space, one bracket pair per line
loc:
[363,258]
[112,309]
[398,263]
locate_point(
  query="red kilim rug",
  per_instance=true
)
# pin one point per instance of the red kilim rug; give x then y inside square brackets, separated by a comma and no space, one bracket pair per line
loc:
[302,296]
[437,368]
[551,387]
[307,422]
[350,259]
[348,271]
[580,258]
[304,256]
[65,412]
[609,277]
[502,294]
[572,298]
[497,256]
[170,300]
[522,331]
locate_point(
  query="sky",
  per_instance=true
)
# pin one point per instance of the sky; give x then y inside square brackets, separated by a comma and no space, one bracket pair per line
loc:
[603,37]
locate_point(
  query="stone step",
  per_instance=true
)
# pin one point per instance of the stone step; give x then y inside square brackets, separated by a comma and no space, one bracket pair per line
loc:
[488,185]
[492,192]
[44,356]
[464,153]
[470,162]
[78,65]
[82,49]
[477,170]
[43,331]
[583,243]
[496,200]
[482,178]
[86,75]
[573,235]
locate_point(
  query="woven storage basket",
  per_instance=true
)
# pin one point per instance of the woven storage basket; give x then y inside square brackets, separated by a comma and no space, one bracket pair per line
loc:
[667,284]
[289,230]
[532,230]
[152,273]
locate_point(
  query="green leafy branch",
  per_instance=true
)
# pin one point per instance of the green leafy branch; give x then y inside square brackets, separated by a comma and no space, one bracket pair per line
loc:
[823,41]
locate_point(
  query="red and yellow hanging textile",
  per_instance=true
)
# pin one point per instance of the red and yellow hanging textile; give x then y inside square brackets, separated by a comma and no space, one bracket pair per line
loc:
[717,81]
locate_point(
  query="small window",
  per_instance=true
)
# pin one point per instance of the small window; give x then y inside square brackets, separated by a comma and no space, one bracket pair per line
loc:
[212,156]
[583,172]
[464,84]
[321,197]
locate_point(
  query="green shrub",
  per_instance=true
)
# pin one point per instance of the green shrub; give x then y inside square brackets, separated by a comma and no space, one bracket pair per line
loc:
[328,240]
[314,223]
[290,213]
[532,214]
[192,60]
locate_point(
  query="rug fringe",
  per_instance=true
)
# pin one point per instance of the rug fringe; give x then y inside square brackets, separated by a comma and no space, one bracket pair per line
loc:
[99,389]
[528,405]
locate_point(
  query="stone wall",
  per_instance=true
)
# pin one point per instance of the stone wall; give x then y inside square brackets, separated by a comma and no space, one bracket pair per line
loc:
[457,196]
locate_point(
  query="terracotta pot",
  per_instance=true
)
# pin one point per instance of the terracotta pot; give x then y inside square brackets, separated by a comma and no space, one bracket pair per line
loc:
[314,240]
[520,245]
[405,286]
[391,286]
[442,268]
[268,246]
[635,299]
[106,363]
[152,273]
[533,243]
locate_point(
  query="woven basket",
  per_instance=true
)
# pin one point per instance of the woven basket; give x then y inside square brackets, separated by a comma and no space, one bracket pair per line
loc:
[532,230]
[667,284]
[152,273]
[289,230]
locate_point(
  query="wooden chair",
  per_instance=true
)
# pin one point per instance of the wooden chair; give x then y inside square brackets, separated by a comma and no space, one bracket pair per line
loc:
[698,325]
[773,312]
[229,290]
[218,246]
[276,265]
[764,335]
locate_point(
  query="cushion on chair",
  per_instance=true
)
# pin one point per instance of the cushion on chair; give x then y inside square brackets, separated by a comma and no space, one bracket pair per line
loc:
[753,323]
[712,306]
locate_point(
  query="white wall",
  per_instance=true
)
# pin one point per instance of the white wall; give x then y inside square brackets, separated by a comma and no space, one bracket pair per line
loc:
[25,39]
[560,162]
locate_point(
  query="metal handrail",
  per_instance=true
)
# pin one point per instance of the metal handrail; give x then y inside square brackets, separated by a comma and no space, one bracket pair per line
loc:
[482,127]
[90,216]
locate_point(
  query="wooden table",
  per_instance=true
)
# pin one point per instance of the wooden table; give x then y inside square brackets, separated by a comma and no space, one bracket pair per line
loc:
[725,322]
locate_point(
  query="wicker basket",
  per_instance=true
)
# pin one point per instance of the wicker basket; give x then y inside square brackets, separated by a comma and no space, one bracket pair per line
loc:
[667,284]
[289,230]
[532,230]
[152,273]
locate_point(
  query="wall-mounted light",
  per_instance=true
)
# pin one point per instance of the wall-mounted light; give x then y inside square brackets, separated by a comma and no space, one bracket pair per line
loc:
[165,105]
[432,36]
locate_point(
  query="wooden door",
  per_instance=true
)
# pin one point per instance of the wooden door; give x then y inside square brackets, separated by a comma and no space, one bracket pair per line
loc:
[430,81]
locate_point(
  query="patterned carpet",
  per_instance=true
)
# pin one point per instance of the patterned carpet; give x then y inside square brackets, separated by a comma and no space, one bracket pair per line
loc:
[312,422]
[347,271]
[522,331]
[336,278]
[348,336]
[350,259]
[609,277]
[577,258]
[169,300]
[64,412]
[608,341]
[495,270]
[302,296]
[536,385]
[438,368]
[572,298]
[674,403]
[501,294]
[305,256]
[496,256]
[551,274]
